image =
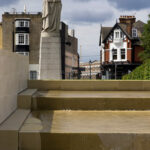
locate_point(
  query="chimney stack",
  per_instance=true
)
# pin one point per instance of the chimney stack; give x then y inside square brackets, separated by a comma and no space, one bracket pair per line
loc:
[129,20]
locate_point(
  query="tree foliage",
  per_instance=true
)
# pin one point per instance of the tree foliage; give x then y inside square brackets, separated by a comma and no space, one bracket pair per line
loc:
[146,42]
[140,73]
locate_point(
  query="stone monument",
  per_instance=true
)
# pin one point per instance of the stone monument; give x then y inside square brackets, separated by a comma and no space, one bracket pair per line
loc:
[50,46]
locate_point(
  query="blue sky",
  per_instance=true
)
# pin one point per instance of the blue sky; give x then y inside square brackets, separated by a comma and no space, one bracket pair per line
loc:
[86,16]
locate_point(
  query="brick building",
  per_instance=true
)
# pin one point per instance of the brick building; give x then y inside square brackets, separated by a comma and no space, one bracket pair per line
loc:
[21,34]
[69,51]
[120,47]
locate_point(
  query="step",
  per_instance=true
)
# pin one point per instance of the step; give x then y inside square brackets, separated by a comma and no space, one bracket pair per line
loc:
[86,130]
[91,100]
[9,130]
[24,99]
[89,85]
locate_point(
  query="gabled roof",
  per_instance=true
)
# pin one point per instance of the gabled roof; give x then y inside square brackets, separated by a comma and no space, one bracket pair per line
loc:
[139,25]
[106,31]
[122,26]
[124,29]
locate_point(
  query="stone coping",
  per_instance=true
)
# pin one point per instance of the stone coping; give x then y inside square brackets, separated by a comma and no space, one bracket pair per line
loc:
[90,85]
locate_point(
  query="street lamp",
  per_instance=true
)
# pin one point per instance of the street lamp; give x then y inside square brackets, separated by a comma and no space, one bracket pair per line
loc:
[90,63]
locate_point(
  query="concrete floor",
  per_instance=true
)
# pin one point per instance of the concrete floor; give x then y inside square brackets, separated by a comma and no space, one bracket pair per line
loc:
[88,122]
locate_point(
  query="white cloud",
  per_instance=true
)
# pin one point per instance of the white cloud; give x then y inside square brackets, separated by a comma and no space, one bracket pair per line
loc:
[85,16]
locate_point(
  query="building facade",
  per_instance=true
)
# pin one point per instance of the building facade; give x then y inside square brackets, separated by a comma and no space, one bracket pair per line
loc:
[1,36]
[120,47]
[69,51]
[91,70]
[21,34]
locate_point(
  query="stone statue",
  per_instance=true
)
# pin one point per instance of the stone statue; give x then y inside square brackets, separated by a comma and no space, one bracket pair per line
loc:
[51,15]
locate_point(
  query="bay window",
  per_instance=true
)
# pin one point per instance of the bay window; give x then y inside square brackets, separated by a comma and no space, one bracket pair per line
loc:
[22,23]
[22,39]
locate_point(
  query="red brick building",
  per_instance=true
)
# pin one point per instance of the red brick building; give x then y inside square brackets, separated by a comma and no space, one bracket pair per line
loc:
[120,47]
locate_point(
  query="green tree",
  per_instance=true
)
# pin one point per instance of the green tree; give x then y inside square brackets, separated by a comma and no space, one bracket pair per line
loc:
[146,41]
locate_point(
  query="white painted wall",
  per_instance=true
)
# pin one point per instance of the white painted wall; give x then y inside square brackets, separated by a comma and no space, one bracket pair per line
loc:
[115,44]
[118,46]
[103,53]
[13,79]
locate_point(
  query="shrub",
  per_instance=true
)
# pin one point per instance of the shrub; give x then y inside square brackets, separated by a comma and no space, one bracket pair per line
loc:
[140,73]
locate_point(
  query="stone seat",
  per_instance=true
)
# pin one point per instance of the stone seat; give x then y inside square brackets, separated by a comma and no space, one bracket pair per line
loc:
[91,100]
[86,130]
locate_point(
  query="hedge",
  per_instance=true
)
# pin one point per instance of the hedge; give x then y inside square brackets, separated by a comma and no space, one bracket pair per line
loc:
[140,73]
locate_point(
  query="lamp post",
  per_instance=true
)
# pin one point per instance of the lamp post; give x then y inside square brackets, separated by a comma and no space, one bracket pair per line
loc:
[90,64]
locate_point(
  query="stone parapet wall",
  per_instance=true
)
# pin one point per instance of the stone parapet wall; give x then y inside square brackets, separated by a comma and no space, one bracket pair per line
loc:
[13,79]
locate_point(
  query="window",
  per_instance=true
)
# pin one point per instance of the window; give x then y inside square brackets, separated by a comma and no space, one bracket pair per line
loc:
[121,34]
[22,23]
[114,54]
[26,39]
[26,24]
[123,54]
[134,32]
[117,35]
[22,39]
[33,75]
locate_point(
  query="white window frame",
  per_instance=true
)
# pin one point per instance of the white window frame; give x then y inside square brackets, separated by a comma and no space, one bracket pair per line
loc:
[124,54]
[121,35]
[25,23]
[24,40]
[118,34]
[113,54]
[134,32]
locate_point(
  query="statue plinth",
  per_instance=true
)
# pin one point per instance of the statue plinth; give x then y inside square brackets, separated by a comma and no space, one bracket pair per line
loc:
[50,46]
[50,56]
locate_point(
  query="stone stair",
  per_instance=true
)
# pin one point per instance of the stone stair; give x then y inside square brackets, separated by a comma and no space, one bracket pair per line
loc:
[81,115]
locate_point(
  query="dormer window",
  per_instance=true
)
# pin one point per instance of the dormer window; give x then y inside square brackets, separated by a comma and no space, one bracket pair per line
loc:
[121,35]
[134,33]
[117,35]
